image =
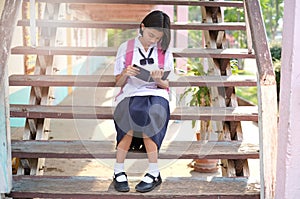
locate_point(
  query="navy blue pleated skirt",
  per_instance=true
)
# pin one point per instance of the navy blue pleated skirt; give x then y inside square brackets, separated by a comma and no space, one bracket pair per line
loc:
[142,114]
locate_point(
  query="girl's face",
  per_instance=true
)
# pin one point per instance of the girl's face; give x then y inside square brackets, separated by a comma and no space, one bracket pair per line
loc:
[150,36]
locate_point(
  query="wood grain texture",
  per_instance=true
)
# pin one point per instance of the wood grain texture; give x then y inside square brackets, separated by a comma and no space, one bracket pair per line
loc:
[134,25]
[106,149]
[109,80]
[93,187]
[267,97]
[241,113]
[112,51]
[7,26]
[155,2]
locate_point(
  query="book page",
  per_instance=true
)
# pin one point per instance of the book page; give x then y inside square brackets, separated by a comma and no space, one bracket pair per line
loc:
[145,74]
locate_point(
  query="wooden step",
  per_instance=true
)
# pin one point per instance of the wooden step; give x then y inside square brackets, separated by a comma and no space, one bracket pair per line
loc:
[155,2]
[133,25]
[229,53]
[107,149]
[96,187]
[109,80]
[240,113]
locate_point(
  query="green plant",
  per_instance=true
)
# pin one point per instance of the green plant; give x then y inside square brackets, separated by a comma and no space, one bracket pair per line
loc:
[200,96]
[197,96]
[276,58]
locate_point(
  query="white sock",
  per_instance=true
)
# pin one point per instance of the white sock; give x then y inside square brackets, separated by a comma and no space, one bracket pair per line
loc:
[119,167]
[153,170]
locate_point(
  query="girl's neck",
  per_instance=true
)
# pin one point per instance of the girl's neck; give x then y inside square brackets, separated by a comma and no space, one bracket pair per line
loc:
[146,47]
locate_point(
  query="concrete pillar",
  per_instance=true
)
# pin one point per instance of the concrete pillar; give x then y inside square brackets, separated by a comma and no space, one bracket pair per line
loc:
[288,172]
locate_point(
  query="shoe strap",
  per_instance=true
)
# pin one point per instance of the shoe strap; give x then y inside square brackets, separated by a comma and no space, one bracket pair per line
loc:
[152,177]
[120,174]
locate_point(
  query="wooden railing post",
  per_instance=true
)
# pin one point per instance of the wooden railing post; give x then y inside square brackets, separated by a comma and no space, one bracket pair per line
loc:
[7,24]
[267,97]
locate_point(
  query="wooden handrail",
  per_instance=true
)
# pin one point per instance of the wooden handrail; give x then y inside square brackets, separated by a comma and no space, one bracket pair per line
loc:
[267,96]
[7,25]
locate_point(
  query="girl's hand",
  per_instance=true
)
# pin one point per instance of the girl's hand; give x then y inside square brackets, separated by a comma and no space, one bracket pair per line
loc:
[157,75]
[131,71]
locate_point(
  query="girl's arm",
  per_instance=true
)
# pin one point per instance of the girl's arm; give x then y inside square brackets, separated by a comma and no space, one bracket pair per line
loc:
[156,76]
[122,77]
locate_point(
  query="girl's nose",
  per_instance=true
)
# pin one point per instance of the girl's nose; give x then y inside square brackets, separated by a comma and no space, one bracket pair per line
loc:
[154,40]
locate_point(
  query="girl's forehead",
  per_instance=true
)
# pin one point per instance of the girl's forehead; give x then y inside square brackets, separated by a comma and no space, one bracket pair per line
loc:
[155,32]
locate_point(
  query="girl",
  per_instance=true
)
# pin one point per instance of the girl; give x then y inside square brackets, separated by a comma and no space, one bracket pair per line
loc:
[142,112]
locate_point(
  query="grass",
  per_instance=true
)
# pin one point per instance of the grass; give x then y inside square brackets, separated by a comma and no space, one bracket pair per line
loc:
[247,93]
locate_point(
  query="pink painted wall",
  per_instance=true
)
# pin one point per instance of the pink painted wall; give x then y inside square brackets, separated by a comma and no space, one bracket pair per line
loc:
[288,172]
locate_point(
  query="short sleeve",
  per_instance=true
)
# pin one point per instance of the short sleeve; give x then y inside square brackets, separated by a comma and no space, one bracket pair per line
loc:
[120,59]
[169,62]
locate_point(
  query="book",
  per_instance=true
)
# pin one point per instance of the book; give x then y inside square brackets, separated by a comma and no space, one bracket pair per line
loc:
[145,74]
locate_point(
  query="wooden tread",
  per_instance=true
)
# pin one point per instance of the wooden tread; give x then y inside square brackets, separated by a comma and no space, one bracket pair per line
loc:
[229,53]
[109,80]
[155,2]
[97,187]
[107,149]
[133,25]
[240,113]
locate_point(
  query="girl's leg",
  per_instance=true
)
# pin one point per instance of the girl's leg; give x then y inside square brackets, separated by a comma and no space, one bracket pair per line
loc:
[122,150]
[151,149]
[152,154]
[152,177]
[123,147]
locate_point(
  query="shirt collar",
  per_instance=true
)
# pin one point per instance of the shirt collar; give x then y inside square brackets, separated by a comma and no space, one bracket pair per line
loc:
[139,44]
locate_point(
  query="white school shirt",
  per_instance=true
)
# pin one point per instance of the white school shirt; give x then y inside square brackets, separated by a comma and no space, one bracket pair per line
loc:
[135,86]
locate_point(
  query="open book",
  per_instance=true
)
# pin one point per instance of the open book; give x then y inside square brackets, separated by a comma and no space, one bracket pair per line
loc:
[145,74]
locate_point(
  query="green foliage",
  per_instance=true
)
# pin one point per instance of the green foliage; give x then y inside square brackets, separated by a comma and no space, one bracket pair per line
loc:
[234,15]
[117,36]
[275,50]
[194,38]
[247,93]
[272,12]
[195,13]
[276,58]
[199,95]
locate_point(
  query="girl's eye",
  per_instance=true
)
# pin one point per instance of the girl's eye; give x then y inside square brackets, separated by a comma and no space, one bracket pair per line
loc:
[151,35]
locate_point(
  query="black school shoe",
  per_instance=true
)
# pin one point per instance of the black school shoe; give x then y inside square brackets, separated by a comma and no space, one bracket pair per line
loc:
[121,186]
[145,187]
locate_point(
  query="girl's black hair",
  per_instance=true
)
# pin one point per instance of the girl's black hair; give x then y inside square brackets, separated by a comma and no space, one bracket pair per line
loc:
[161,22]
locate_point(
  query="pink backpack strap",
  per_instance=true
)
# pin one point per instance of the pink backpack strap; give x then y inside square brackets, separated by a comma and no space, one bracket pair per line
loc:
[129,52]
[130,49]
[128,58]
[161,57]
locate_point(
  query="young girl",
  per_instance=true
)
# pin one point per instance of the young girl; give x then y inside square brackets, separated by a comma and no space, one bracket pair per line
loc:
[142,112]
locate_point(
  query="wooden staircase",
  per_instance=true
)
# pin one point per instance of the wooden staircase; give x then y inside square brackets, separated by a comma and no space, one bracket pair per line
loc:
[225,112]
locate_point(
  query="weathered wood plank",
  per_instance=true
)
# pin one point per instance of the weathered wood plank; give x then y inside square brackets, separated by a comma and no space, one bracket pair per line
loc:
[134,25]
[229,53]
[96,187]
[109,80]
[7,24]
[267,100]
[246,113]
[107,149]
[155,2]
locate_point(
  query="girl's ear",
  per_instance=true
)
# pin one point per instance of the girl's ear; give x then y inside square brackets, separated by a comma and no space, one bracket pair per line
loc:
[142,26]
